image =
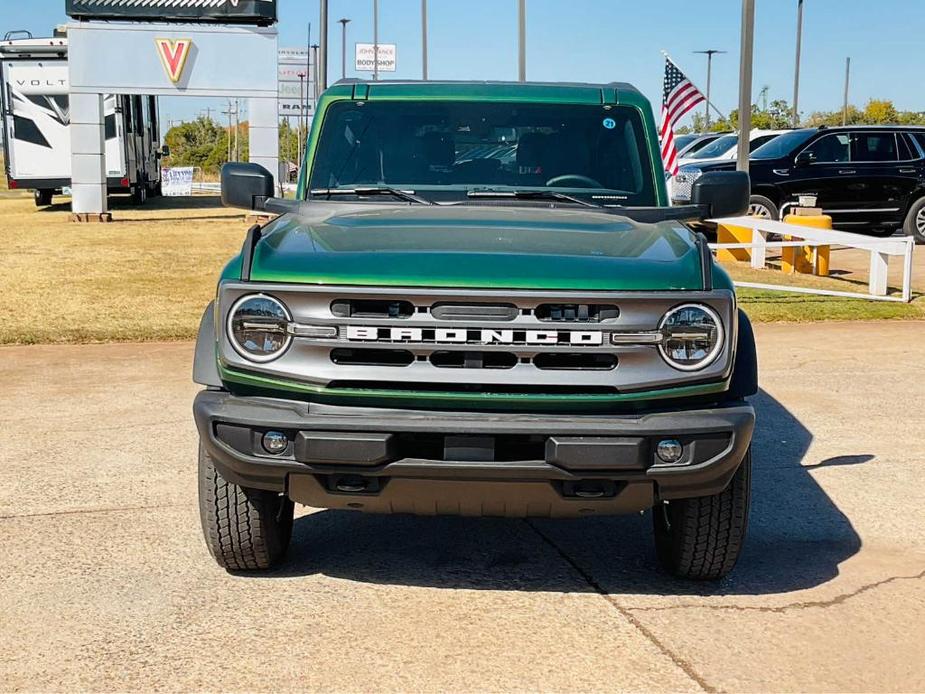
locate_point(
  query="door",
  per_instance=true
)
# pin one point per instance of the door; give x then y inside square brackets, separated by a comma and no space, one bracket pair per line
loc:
[823,168]
[885,161]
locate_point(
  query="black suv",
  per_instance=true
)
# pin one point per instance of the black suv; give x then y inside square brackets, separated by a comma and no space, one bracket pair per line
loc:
[870,179]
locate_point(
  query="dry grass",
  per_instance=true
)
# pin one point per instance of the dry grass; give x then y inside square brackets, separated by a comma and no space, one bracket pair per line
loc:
[147,276]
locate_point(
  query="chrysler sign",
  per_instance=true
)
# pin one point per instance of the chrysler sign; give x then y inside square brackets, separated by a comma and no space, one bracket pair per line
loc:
[262,12]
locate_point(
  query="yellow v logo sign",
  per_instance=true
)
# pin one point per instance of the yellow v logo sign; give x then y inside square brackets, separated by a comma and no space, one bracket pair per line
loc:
[173,54]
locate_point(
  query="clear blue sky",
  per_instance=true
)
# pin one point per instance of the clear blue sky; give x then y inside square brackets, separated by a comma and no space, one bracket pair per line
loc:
[605,40]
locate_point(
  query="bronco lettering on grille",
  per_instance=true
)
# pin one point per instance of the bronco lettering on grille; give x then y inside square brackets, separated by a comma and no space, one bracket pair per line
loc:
[362,333]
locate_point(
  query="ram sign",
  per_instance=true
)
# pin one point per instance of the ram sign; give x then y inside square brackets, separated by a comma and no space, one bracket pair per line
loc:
[262,12]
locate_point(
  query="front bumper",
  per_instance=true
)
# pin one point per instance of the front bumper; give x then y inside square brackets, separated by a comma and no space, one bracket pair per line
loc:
[471,463]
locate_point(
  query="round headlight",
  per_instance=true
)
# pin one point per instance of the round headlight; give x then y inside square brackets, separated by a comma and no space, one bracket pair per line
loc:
[258,327]
[692,336]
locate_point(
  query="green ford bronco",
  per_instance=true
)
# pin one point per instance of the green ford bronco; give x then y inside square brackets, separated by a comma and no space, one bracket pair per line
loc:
[479,303]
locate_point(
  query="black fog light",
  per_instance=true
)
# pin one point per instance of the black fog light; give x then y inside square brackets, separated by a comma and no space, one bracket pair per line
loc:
[275,442]
[669,451]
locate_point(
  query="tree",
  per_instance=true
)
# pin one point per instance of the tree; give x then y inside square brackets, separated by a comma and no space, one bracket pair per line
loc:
[879,112]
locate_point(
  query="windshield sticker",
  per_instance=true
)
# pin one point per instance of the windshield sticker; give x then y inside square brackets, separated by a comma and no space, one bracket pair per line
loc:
[610,123]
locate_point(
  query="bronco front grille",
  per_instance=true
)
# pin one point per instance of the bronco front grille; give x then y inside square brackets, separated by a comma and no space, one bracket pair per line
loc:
[482,341]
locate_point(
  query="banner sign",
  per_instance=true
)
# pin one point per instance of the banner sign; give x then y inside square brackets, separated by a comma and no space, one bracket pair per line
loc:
[262,12]
[364,57]
[177,181]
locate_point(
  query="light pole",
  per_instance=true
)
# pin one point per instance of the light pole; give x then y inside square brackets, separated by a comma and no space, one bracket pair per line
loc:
[522,40]
[844,110]
[302,101]
[745,83]
[375,39]
[321,66]
[796,70]
[710,52]
[343,46]
[424,40]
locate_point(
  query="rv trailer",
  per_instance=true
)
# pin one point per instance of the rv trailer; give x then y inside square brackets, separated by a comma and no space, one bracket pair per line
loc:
[34,103]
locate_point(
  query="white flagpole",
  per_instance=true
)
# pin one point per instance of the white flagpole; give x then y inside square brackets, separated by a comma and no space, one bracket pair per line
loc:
[709,103]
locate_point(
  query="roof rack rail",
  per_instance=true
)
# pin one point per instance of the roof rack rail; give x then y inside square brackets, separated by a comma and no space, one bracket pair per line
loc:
[8,36]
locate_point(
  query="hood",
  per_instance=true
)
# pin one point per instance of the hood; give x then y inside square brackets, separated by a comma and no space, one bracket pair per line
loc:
[475,246]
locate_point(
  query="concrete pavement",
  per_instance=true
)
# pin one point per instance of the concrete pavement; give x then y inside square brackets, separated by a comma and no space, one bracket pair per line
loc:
[105,583]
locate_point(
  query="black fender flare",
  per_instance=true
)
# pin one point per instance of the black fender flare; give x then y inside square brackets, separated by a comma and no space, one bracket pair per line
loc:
[744,381]
[205,365]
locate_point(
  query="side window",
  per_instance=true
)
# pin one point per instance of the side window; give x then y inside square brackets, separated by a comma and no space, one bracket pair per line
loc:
[758,141]
[139,115]
[833,148]
[873,147]
[128,106]
[920,139]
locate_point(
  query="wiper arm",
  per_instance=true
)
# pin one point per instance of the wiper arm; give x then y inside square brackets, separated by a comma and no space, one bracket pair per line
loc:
[529,195]
[372,190]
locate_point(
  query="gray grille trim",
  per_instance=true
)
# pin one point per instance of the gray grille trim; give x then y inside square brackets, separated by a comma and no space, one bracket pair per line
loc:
[639,363]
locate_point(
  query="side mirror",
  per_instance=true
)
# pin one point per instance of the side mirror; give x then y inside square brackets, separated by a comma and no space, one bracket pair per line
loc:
[165,151]
[723,193]
[804,158]
[246,185]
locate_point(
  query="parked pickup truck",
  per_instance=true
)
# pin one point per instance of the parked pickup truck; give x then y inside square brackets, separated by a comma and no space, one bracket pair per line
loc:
[479,303]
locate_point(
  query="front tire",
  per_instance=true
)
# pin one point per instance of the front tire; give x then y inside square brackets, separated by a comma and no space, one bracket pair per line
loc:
[244,529]
[915,221]
[701,538]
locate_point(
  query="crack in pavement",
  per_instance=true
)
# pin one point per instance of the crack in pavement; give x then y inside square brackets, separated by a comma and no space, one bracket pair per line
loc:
[837,600]
[73,512]
[677,660]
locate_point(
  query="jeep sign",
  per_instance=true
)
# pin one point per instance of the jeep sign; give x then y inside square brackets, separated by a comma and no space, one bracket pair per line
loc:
[262,12]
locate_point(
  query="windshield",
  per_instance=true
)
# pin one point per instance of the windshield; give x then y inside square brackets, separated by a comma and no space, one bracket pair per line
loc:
[717,148]
[782,145]
[441,150]
[682,141]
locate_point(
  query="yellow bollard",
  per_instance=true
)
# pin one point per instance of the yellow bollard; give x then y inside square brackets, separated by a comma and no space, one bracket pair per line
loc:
[806,259]
[733,234]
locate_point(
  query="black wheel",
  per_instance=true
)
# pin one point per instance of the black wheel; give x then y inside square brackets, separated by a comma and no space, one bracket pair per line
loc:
[701,538]
[244,529]
[915,221]
[43,197]
[760,206]
[139,194]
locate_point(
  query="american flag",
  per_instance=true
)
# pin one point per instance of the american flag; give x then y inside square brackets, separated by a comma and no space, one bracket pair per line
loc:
[679,96]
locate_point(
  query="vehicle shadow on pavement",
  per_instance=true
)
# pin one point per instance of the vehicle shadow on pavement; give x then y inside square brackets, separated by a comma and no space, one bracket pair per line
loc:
[797,538]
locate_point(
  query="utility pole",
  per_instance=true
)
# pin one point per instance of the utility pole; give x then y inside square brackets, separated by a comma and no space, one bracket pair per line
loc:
[745,83]
[343,46]
[237,128]
[375,39]
[522,40]
[763,95]
[710,52]
[796,70]
[322,65]
[229,113]
[844,110]
[208,111]
[424,40]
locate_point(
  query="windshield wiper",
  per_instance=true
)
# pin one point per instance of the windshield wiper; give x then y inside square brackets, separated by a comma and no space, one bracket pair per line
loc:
[372,190]
[529,195]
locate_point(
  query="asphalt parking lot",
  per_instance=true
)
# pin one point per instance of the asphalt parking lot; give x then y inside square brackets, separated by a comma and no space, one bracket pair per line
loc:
[105,583]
